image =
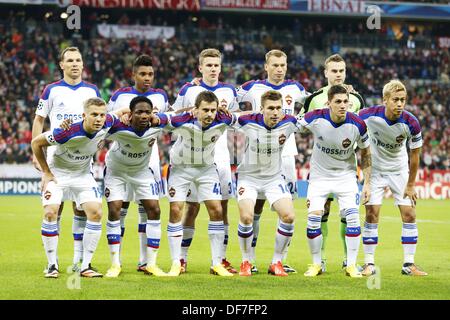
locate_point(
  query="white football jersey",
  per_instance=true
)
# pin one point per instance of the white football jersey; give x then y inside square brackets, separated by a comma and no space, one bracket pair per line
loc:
[333,153]
[122,97]
[75,147]
[195,145]
[292,91]
[131,149]
[226,93]
[388,138]
[60,101]
[263,145]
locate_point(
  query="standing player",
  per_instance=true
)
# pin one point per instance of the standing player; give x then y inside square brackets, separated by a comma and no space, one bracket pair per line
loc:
[210,61]
[59,101]
[68,172]
[335,73]
[127,171]
[333,170]
[143,77]
[390,127]
[293,95]
[192,161]
[260,173]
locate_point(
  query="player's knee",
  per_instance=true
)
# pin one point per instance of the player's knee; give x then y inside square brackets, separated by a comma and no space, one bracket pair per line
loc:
[409,216]
[246,218]
[288,217]
[50,214]
[215,211]
[192,209]
[371,215]
[155,212]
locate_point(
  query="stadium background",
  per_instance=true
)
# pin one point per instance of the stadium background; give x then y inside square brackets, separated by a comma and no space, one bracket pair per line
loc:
[412,45]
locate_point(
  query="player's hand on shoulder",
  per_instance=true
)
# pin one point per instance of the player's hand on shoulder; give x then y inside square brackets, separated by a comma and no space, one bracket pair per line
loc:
[350,88]
[125,118]
[196,81]
[65,125]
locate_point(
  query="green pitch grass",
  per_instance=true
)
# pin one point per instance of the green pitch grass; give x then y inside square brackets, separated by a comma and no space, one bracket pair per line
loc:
[22,260]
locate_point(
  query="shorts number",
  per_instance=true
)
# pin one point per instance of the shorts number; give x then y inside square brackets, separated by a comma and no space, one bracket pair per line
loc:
[216,188]
[292,187]
[98,192]
[230,188]
[155,188]
[357,199]
[283,188]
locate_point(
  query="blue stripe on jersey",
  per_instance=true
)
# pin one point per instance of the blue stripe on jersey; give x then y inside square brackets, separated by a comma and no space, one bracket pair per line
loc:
[119,91]
[313,115]
[62,136]
[185,88]
[285,83]
[406,117]
[258,119]
[325,114]
[181,119]
[247,86]
[357,121]
[62,83]
[218,86]
[48,88]
[132,90]
[163,120]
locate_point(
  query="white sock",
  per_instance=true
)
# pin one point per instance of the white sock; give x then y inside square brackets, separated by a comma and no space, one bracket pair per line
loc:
[409,241]
[282,239]
[113,236]
[153,232]
[256,218]
[285,252]
[216,237]
[123,214]
[188,235]
[370,241]
[92,234]
[50,235]
[175,235]
[225,241]
[78,225]
[142,235]
[352,235]
[245,233]
[314,234]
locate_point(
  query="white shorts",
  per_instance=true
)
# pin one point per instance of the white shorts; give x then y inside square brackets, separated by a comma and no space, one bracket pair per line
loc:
[290,174]
[345,190]
[119,185]
[80,188]
[205,179]
[226,184]
[397,184]
[272,189]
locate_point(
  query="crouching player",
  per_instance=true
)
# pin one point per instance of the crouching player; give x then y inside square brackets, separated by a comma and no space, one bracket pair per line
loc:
[390,127]
[260,172]
[333,170]
[127,172]
[69,173]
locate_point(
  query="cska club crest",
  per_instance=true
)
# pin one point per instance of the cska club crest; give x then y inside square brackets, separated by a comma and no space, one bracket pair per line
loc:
[107,192]
[346,143]
[172,192]
[288,100]
[47,195]
[151,142]
[400,139]
[241,190]
[282,139]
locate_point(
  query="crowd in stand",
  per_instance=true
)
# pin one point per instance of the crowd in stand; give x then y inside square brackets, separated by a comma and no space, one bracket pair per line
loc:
[29,53]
